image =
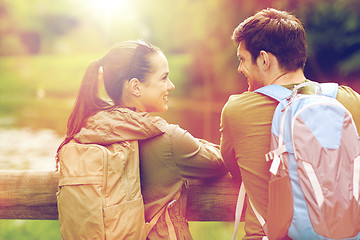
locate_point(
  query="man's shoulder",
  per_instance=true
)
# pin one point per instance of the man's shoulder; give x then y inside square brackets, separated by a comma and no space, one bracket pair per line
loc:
[346,92]
[243,98]
[348,97]
[247,100]
[351,100]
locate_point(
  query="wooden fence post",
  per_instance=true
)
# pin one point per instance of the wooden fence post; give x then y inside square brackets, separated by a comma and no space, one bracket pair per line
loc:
[28,194]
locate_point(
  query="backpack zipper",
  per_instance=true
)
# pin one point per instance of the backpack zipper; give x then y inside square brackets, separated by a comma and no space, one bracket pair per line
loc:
[105,176]
[127,184]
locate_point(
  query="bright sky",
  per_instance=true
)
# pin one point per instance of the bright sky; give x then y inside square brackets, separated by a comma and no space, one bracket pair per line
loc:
[109,12]
[107,8]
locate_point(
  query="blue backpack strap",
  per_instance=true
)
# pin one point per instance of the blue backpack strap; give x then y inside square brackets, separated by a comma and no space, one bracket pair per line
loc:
[279,92]
[274,91]
[329,89]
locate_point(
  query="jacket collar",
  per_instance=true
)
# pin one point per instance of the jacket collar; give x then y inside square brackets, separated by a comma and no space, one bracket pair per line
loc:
[120,124]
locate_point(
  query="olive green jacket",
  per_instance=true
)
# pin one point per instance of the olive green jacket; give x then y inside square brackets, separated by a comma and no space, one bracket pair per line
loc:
[169,156]
[167,162]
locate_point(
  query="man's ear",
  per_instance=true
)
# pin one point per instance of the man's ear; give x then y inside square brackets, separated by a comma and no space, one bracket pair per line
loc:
[264,59]
[135,87]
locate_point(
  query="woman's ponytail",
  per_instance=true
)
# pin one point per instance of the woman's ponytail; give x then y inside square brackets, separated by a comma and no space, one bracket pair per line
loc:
[87,103]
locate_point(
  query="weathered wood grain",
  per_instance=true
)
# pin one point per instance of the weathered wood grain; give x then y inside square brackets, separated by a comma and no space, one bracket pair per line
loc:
[26,194]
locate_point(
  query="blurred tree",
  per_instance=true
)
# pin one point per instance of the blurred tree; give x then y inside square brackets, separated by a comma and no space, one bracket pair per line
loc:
[333,31]
[10,41]
[200,29]
[33,25]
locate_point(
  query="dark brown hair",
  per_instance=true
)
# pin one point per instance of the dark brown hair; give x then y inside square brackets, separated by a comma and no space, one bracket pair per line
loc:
[277,32]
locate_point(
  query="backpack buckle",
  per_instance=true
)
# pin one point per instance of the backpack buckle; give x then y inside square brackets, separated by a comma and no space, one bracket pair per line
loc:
[274,156]
[171,204]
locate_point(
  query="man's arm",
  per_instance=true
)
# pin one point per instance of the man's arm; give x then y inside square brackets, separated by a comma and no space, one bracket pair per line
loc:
[226,146]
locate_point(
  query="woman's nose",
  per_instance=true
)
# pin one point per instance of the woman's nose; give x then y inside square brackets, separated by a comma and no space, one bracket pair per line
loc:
[171,86]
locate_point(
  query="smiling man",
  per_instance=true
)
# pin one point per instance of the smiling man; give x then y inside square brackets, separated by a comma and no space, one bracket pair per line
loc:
[271,47]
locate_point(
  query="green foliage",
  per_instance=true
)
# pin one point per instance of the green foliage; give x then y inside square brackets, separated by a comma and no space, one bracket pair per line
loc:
[27,15]
[333,30]
[200,28]
[58,75]
[34,85]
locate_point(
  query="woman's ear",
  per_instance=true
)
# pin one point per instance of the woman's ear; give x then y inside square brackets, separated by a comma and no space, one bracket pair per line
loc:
[101,87]
[101,75]
[135,87]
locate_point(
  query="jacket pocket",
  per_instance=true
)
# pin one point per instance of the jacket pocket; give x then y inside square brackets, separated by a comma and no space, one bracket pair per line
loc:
[80,212]
[125,220]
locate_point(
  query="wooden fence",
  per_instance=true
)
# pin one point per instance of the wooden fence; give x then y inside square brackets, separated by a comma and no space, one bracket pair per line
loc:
[26,194]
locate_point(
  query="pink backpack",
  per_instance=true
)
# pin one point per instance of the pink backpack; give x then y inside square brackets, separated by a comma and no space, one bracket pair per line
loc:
[315,154]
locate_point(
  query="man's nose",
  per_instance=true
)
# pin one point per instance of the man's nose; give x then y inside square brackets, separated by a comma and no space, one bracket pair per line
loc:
[240,68]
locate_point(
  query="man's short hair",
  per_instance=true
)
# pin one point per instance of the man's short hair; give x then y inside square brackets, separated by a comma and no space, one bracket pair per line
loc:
[277,32]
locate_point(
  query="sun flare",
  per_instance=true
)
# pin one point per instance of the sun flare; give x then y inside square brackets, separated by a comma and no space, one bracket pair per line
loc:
[108,8]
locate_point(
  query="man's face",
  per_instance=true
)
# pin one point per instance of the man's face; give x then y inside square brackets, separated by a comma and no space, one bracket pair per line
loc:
[249,68]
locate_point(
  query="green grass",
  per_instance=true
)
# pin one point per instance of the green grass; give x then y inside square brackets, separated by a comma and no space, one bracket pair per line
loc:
[215,230]
[49,230]
[29,230]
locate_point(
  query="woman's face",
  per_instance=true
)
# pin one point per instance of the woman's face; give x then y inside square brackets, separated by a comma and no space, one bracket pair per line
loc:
[156,88]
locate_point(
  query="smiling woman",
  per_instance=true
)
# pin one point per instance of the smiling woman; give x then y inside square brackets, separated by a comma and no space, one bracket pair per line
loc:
[135,75]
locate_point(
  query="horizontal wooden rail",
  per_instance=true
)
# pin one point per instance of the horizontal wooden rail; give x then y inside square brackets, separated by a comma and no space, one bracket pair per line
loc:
[27,194]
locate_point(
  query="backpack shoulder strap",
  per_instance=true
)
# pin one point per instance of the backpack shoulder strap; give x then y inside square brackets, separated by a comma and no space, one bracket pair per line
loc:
[239,209]
[275,91]
[278,92]
[329,89]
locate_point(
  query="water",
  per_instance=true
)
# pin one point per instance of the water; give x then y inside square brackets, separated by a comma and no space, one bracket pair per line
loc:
[27,149]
